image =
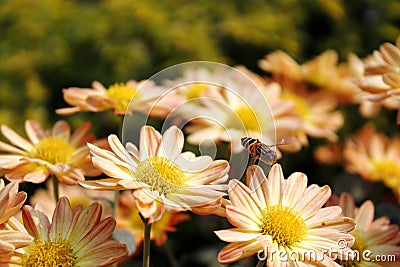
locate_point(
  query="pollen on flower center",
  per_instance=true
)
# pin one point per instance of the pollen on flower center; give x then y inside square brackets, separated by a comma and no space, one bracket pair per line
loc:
[284,225]
[161,174]
[195,90]
[385,170]
[247,118]
[52,149]
[122,94]
[42,253]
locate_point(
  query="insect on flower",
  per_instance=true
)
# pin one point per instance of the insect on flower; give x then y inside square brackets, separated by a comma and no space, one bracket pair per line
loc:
[259,151]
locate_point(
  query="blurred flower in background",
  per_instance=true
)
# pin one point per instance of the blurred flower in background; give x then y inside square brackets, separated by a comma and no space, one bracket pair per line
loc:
[48,152]
[376,236]
[375,157]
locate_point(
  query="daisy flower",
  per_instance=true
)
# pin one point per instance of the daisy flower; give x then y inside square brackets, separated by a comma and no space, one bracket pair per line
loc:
[75,237]
[121,98]
[374,157]
[160,175]
[128,218]
[48,152]
[282,217]
[372,237]
[11,200]
[322,73]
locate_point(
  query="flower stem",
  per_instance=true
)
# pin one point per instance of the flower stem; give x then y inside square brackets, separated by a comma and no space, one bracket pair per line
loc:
[146,243]
[55,188]
[260,263]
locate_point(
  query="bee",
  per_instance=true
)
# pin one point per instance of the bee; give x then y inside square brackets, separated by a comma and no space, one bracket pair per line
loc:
[259,151]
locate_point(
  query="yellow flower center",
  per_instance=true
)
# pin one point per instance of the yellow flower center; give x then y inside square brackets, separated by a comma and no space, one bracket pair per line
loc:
[52,149]
[48,254]
[284,225]
[122,95]
[247,119]
[301,107]
[195,90]
[387,171]
[359,246]
[161,174]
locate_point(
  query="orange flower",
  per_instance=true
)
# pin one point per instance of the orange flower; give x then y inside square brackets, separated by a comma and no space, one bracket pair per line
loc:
[54,151]
[162,177]
[282,217]
[375,157]
[12,234]
[122,98]
[322,73]
[74,238]
[373,238]
[128,218]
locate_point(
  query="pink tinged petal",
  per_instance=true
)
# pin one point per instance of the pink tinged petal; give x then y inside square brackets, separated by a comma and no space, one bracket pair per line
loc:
[257,183]
[150,140]
[343,224]
[197,164]
[13,207]
[365,215]
[10,161]
[106,154]
[36,223]
[242,219]
[312,201]
[104,254]
[346,202]
[15,138]
[295,187]
[67,111]
[88,218]
[112,169]
[323,214]
[61,129]
[103,184]
[172,143]
[275,182]
[243,199]
[11,149]
[100,233]
[117,147]
[34,130]
[133,151]
[383,235]
[62,218]
[79,134]
[15,239]
[67,174]
[237,235]
[3,206]
[216,173]
[237,251]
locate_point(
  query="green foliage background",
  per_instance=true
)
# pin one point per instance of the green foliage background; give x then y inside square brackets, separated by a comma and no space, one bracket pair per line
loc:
[48,45]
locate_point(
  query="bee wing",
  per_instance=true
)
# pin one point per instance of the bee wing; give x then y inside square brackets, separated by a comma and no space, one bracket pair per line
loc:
[267,155]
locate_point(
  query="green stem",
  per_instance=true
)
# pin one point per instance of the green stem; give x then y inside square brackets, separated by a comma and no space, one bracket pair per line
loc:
[55,188]
[170,255]
[260,263]
[146,244]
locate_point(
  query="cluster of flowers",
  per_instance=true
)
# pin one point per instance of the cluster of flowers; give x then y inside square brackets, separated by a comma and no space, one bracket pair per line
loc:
[160,182]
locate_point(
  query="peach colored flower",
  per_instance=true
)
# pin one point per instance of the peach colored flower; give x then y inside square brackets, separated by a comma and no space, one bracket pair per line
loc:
[162,177]
[378,75]
[77,195]
[75,237]
[329,154]
[48,152]
[373,237]
[11,200]
[374,157]
[282,216]
[122,98]
[316,111]
[322,73]
[128,218]
[258,112]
